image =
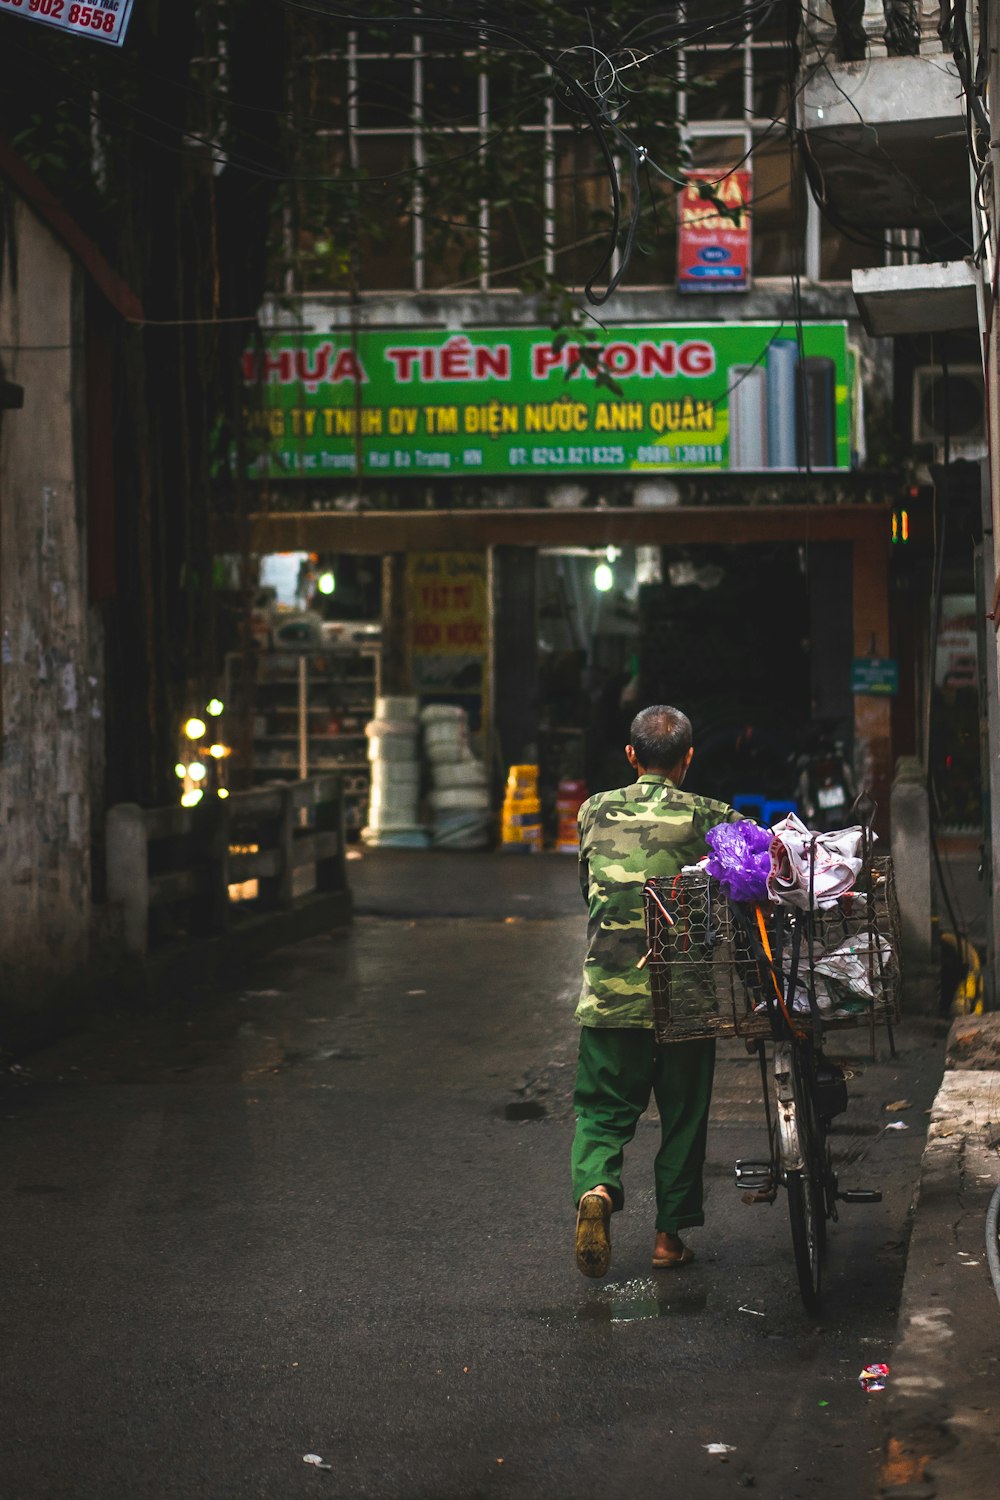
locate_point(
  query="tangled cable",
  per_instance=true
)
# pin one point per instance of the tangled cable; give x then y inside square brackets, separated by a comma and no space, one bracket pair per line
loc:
[597,92]
[993,1240]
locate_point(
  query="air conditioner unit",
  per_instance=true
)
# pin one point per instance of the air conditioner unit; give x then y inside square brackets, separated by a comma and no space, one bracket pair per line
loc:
[956,412]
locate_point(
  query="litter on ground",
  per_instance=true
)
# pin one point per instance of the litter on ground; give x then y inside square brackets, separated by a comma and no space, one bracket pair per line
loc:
[315,1460]
[873,1377]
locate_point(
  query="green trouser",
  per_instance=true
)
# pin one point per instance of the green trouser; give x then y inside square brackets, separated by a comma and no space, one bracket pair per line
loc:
[617,1070]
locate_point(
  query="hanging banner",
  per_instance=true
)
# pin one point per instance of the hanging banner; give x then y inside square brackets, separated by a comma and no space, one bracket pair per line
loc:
[523,401]
[713,233]
[447,611]
[103,21]
[956,664]
[875,677]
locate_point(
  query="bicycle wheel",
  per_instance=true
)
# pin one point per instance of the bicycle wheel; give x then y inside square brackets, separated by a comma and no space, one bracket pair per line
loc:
[807,1183]
[805,1212]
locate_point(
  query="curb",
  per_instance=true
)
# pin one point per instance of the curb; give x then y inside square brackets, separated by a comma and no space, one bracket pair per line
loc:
[117,982]
[943,1409]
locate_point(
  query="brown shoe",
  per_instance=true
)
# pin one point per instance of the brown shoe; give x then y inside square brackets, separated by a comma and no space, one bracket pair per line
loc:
[593,1235]
[669,1260]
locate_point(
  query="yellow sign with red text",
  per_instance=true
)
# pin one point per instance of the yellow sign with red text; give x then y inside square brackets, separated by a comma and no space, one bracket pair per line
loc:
[448,604]
[447,596]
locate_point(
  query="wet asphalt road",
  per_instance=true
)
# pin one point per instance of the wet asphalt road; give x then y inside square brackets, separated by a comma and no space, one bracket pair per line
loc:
[297,1219]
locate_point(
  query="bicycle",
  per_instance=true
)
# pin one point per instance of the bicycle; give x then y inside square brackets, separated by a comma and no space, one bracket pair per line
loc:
[782,978]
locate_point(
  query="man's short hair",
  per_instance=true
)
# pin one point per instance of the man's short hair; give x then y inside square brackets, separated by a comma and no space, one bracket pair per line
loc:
[660,736]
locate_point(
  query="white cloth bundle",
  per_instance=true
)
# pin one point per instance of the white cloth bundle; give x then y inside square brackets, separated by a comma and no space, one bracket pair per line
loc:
[854,964]
[828,862]
[841,976]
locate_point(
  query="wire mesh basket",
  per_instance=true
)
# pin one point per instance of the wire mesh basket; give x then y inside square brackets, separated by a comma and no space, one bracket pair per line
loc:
[721,969]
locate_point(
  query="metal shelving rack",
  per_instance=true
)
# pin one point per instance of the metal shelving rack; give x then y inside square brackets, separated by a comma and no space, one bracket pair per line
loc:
[308,711]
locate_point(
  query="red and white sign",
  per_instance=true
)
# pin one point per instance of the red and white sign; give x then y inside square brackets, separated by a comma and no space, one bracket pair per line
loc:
[101,21]
[713,233]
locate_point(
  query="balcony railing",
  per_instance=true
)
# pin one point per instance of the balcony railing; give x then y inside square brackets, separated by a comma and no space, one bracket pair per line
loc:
[849,30]
[183,873]
[883,107]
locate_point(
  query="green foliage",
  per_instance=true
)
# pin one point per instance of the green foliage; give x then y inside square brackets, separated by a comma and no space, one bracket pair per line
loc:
[541,62]
[734,212]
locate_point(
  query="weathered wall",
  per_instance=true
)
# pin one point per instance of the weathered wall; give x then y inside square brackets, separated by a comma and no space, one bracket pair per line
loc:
[51,692]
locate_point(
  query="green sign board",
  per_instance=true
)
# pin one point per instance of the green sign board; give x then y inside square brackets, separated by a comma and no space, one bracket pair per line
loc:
[875,676]
[744,396]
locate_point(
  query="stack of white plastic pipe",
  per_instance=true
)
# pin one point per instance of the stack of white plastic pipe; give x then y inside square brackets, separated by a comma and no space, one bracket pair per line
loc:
[395,775]
[460,798]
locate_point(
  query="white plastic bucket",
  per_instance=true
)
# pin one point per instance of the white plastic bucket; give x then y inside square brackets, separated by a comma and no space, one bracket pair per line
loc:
[443,736]
[393,747]
[460,799]
[382,729]
[455,773]
[442,713]
[392,810]
[395,773]
[396,838]
[397,707]
[462,830]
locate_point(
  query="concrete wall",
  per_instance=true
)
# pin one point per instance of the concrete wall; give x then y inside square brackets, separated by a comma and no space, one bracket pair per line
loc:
[50,675]
[911,858]
[767,301]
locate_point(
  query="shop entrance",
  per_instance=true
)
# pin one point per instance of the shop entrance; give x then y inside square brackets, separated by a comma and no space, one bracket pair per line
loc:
[588,662]
[845,625]
[753,641]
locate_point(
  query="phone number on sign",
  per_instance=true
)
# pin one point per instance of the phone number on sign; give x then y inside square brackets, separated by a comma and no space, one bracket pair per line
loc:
[680,453]
[569,455]
[86,17]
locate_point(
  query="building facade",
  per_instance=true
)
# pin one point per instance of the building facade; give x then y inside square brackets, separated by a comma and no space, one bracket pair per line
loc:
[56,296]
[750,570]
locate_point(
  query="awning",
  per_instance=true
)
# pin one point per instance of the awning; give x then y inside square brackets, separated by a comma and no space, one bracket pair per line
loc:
[378,532]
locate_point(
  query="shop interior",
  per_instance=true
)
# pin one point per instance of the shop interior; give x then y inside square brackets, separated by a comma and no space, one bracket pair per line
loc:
[752,641]
[300,702]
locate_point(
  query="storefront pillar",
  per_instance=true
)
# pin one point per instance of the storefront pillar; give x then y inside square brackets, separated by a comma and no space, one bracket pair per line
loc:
[872,712]
[395,665]
[830,636]
[515,654]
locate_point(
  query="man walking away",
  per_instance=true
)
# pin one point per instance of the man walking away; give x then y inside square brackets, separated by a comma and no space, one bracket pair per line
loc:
[650,828]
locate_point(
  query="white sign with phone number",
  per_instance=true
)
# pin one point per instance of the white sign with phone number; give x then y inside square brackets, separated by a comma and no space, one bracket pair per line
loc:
[102,21]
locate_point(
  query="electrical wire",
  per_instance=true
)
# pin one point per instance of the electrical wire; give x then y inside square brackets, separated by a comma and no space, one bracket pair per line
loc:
[798,242]
[222,154]
[937,592]
[993,1239]
[893,166]
[234,160]
[593,106]
[963,55]
[225,157]
[243,164]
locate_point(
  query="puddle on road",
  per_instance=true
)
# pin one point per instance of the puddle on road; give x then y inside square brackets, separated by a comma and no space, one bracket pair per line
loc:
[628,1302]
[323,1054]
[524,1109]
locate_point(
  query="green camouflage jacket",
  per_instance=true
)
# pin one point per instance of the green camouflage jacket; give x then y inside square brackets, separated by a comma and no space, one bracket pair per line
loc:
[627,836]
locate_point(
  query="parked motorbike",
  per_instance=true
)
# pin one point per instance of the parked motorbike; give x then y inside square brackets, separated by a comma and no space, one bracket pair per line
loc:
[826,788]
